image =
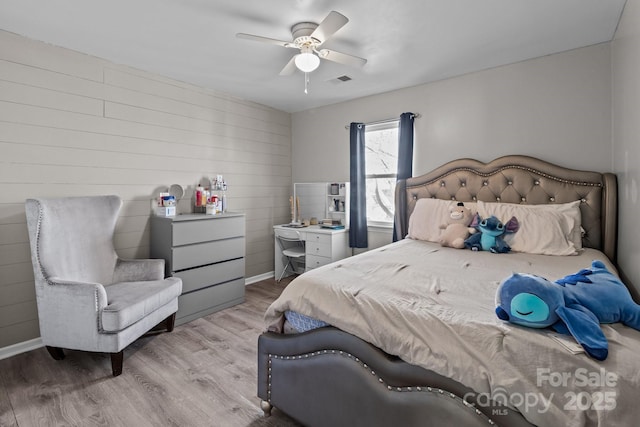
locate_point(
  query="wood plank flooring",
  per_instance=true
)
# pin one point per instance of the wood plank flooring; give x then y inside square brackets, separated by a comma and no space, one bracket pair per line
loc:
[201,374]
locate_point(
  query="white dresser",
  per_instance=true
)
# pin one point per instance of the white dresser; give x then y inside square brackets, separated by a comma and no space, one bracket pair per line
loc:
[207,253]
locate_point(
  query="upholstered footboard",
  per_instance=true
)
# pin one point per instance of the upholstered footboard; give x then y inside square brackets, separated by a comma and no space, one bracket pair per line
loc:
[329,377]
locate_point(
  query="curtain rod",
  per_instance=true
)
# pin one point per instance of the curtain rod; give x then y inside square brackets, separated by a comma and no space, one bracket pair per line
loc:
[379,122]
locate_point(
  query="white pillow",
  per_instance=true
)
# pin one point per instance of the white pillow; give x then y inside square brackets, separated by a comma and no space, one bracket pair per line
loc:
[428,215]
[544,229]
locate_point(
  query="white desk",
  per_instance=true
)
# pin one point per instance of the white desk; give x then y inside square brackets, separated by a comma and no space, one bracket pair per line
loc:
[322,246]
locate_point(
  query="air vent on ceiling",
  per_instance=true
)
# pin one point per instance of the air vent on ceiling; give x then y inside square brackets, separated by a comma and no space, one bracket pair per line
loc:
[339,80]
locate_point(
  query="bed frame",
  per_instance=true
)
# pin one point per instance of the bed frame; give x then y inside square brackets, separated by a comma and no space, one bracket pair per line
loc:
[329,377]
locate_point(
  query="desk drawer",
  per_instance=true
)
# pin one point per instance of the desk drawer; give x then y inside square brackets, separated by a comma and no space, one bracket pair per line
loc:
[320,249]
[314,261]
[201,277]
[202,230]
[321,238]
[206,253]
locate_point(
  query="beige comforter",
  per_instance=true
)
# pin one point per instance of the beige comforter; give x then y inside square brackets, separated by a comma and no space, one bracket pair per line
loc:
[434,307]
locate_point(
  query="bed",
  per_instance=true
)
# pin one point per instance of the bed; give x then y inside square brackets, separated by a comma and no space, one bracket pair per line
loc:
[412,336]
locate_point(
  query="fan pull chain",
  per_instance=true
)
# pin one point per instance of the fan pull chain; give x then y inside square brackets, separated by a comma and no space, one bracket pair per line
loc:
[306,83]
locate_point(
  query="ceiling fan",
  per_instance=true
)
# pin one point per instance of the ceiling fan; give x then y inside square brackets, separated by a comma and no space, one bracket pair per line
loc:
[307,37]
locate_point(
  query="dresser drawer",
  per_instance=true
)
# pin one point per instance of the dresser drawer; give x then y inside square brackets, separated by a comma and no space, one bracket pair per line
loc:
[314,261]
[201,277]
[320,249]
[321,238]
[187,232]
[210,298]
[206,253]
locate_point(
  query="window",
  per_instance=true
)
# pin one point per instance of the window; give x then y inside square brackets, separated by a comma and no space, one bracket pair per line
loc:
[381,162]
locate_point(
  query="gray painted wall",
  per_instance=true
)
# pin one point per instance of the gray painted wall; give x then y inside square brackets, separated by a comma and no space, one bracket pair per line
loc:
[72,124]
[557,108]
[626,137]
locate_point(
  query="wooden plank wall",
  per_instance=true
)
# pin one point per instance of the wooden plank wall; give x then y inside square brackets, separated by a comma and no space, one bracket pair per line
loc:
[73,125]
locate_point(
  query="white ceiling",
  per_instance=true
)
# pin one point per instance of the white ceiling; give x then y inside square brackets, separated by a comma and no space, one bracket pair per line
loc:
[406,42]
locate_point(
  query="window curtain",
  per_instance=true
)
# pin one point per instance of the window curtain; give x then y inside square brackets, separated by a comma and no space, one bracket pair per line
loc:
[405,154]
[358,193]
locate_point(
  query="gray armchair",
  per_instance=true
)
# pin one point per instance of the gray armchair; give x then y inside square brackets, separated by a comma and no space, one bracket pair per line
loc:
[89,299]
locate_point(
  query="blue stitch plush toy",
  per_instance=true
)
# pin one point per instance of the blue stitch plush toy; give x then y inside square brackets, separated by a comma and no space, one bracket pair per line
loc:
[575,304]
[490,234]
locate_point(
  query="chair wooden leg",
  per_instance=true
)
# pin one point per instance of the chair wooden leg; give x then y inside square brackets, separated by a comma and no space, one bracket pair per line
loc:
[56,352]
[171,322]
[116,362]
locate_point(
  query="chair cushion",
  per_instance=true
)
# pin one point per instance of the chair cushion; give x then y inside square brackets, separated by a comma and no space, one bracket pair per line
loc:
[129,302]
[294,252]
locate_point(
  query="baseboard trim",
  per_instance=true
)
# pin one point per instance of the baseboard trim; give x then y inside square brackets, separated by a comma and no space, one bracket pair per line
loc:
[259,277]
[21,347]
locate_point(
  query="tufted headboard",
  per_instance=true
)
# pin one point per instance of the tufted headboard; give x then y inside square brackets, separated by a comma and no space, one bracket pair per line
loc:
[519,179]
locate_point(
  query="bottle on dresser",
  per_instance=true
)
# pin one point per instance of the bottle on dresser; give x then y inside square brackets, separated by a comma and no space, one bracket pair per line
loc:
[224,196]
[199,194]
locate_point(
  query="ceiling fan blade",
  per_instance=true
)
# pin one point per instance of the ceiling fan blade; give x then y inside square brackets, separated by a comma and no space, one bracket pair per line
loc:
[264,40]
[342,58]
[290,67]
[332,23]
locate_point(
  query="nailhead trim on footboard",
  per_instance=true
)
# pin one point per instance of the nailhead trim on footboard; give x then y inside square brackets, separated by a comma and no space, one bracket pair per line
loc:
[423,389]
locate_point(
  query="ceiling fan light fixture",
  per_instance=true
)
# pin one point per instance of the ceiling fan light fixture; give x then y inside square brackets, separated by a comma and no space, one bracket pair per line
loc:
[308,37]
[307,62]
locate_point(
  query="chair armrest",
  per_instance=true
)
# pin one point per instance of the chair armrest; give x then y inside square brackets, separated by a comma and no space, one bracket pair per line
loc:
[72,292]
[69,313]
[138,270]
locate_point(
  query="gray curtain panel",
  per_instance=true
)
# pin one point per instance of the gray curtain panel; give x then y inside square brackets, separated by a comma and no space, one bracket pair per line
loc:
[405,153]
[358,194]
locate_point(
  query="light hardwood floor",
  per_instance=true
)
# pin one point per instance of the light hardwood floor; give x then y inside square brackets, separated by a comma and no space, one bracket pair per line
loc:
[201,374]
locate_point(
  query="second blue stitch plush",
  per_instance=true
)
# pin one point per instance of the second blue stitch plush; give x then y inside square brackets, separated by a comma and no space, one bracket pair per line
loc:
[490,236]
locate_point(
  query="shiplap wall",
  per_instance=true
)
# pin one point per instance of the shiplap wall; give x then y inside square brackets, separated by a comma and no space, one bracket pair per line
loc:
[74,125]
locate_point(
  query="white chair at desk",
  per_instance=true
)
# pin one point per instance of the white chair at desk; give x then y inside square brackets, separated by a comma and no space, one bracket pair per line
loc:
[292,249]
